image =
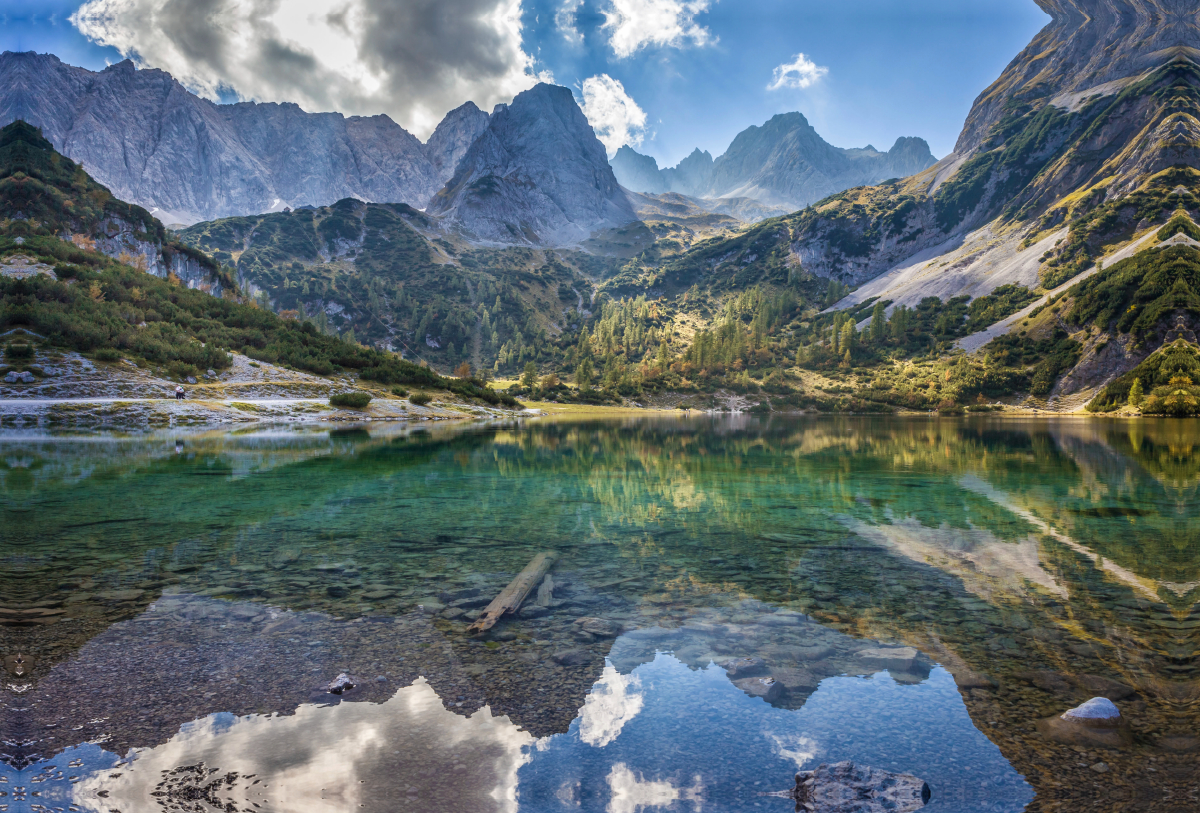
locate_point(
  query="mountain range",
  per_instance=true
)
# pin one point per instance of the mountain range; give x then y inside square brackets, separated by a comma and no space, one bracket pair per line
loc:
[783,164]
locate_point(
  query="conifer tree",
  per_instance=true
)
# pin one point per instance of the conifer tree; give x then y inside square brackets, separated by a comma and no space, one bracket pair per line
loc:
[1135,393]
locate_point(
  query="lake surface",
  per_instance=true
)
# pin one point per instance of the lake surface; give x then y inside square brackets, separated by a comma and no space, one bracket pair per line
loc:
[919,596]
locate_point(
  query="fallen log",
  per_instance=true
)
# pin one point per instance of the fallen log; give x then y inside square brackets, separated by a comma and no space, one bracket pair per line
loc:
[510,598]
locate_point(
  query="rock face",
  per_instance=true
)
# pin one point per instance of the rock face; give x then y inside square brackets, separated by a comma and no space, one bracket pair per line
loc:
[637,172]
[692,175]
[784,164]
[538,175]
[453,137]
[145,137]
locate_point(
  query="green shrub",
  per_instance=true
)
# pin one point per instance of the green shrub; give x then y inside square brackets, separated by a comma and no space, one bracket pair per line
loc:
[353,400]
[177,369]
[399,392]
[107,354]
[420,398]
[18,352]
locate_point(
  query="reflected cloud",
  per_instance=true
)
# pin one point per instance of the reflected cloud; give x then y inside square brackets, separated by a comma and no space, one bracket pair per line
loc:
[613,702]
[631,793]
[796,747]
[354,756]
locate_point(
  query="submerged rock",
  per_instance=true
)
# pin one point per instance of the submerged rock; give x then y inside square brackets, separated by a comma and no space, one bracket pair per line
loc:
[1097,722]
[844,787]
[341,683]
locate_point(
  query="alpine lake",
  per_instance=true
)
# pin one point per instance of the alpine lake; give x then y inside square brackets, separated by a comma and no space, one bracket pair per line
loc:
[734,599]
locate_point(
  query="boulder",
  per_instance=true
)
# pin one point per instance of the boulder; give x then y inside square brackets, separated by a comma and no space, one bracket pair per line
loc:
[341,683]
[844,787]
[599,626]
[572,657]
[1098,722]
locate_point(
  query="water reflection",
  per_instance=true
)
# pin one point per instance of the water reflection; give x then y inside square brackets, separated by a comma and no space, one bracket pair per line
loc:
[1031,564]
[666,736]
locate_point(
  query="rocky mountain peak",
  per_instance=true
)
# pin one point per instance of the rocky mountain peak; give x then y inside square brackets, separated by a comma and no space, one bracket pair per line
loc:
[537,175]
[453,137]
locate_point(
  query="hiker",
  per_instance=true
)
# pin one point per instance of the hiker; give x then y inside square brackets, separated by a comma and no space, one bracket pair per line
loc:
[179,392]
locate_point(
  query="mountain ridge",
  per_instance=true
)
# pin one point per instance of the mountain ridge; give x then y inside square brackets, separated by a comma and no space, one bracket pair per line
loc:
[782,163]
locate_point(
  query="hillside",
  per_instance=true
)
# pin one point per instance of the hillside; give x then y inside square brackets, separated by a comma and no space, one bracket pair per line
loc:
[63,290]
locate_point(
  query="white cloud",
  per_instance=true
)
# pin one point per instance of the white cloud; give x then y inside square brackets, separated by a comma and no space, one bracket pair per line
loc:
[564,21]
[798,748]
[612,703]
[325,759]
[802,73]
[632,793]
[636,24]
[411,59]
[613,114]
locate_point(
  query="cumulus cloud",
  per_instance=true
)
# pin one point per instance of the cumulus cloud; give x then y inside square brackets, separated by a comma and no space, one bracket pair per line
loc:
[613,114]
[800,73]
[636,24]
[411,59]
[564,21]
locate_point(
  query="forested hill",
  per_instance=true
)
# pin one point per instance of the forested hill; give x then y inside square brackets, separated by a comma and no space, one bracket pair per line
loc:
[60,285]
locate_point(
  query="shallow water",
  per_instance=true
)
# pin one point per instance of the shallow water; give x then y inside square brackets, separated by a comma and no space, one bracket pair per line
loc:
[921,596]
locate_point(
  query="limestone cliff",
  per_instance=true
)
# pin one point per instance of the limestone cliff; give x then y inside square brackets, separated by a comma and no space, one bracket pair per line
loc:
[538,175]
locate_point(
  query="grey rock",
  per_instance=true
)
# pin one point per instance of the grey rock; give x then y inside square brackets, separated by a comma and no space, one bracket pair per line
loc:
[599,627]
[19,378]
[191,380]
[538,176]
[452,613]
[571,657]
[341,683]
[1099,712]
[844,787]
[453,137]
[533,611]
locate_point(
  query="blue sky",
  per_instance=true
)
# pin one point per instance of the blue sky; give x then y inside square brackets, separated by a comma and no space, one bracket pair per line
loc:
[698,70]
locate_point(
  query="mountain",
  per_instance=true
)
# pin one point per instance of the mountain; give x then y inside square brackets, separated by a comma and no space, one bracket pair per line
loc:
[144,136]
[638,173]
[453,137]
[692,175]
[537,175]
[783,164]
[1057,247]
[63,286]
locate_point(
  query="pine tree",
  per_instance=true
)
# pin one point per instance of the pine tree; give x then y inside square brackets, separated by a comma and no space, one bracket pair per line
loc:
[529,377]
[878,323]
[1135,393]
[584,375]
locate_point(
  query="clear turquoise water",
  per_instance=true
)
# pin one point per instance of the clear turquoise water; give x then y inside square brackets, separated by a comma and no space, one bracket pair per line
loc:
[185,598]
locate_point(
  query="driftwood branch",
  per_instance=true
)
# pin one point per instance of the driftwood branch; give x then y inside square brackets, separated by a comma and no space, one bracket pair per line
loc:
[510,598]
